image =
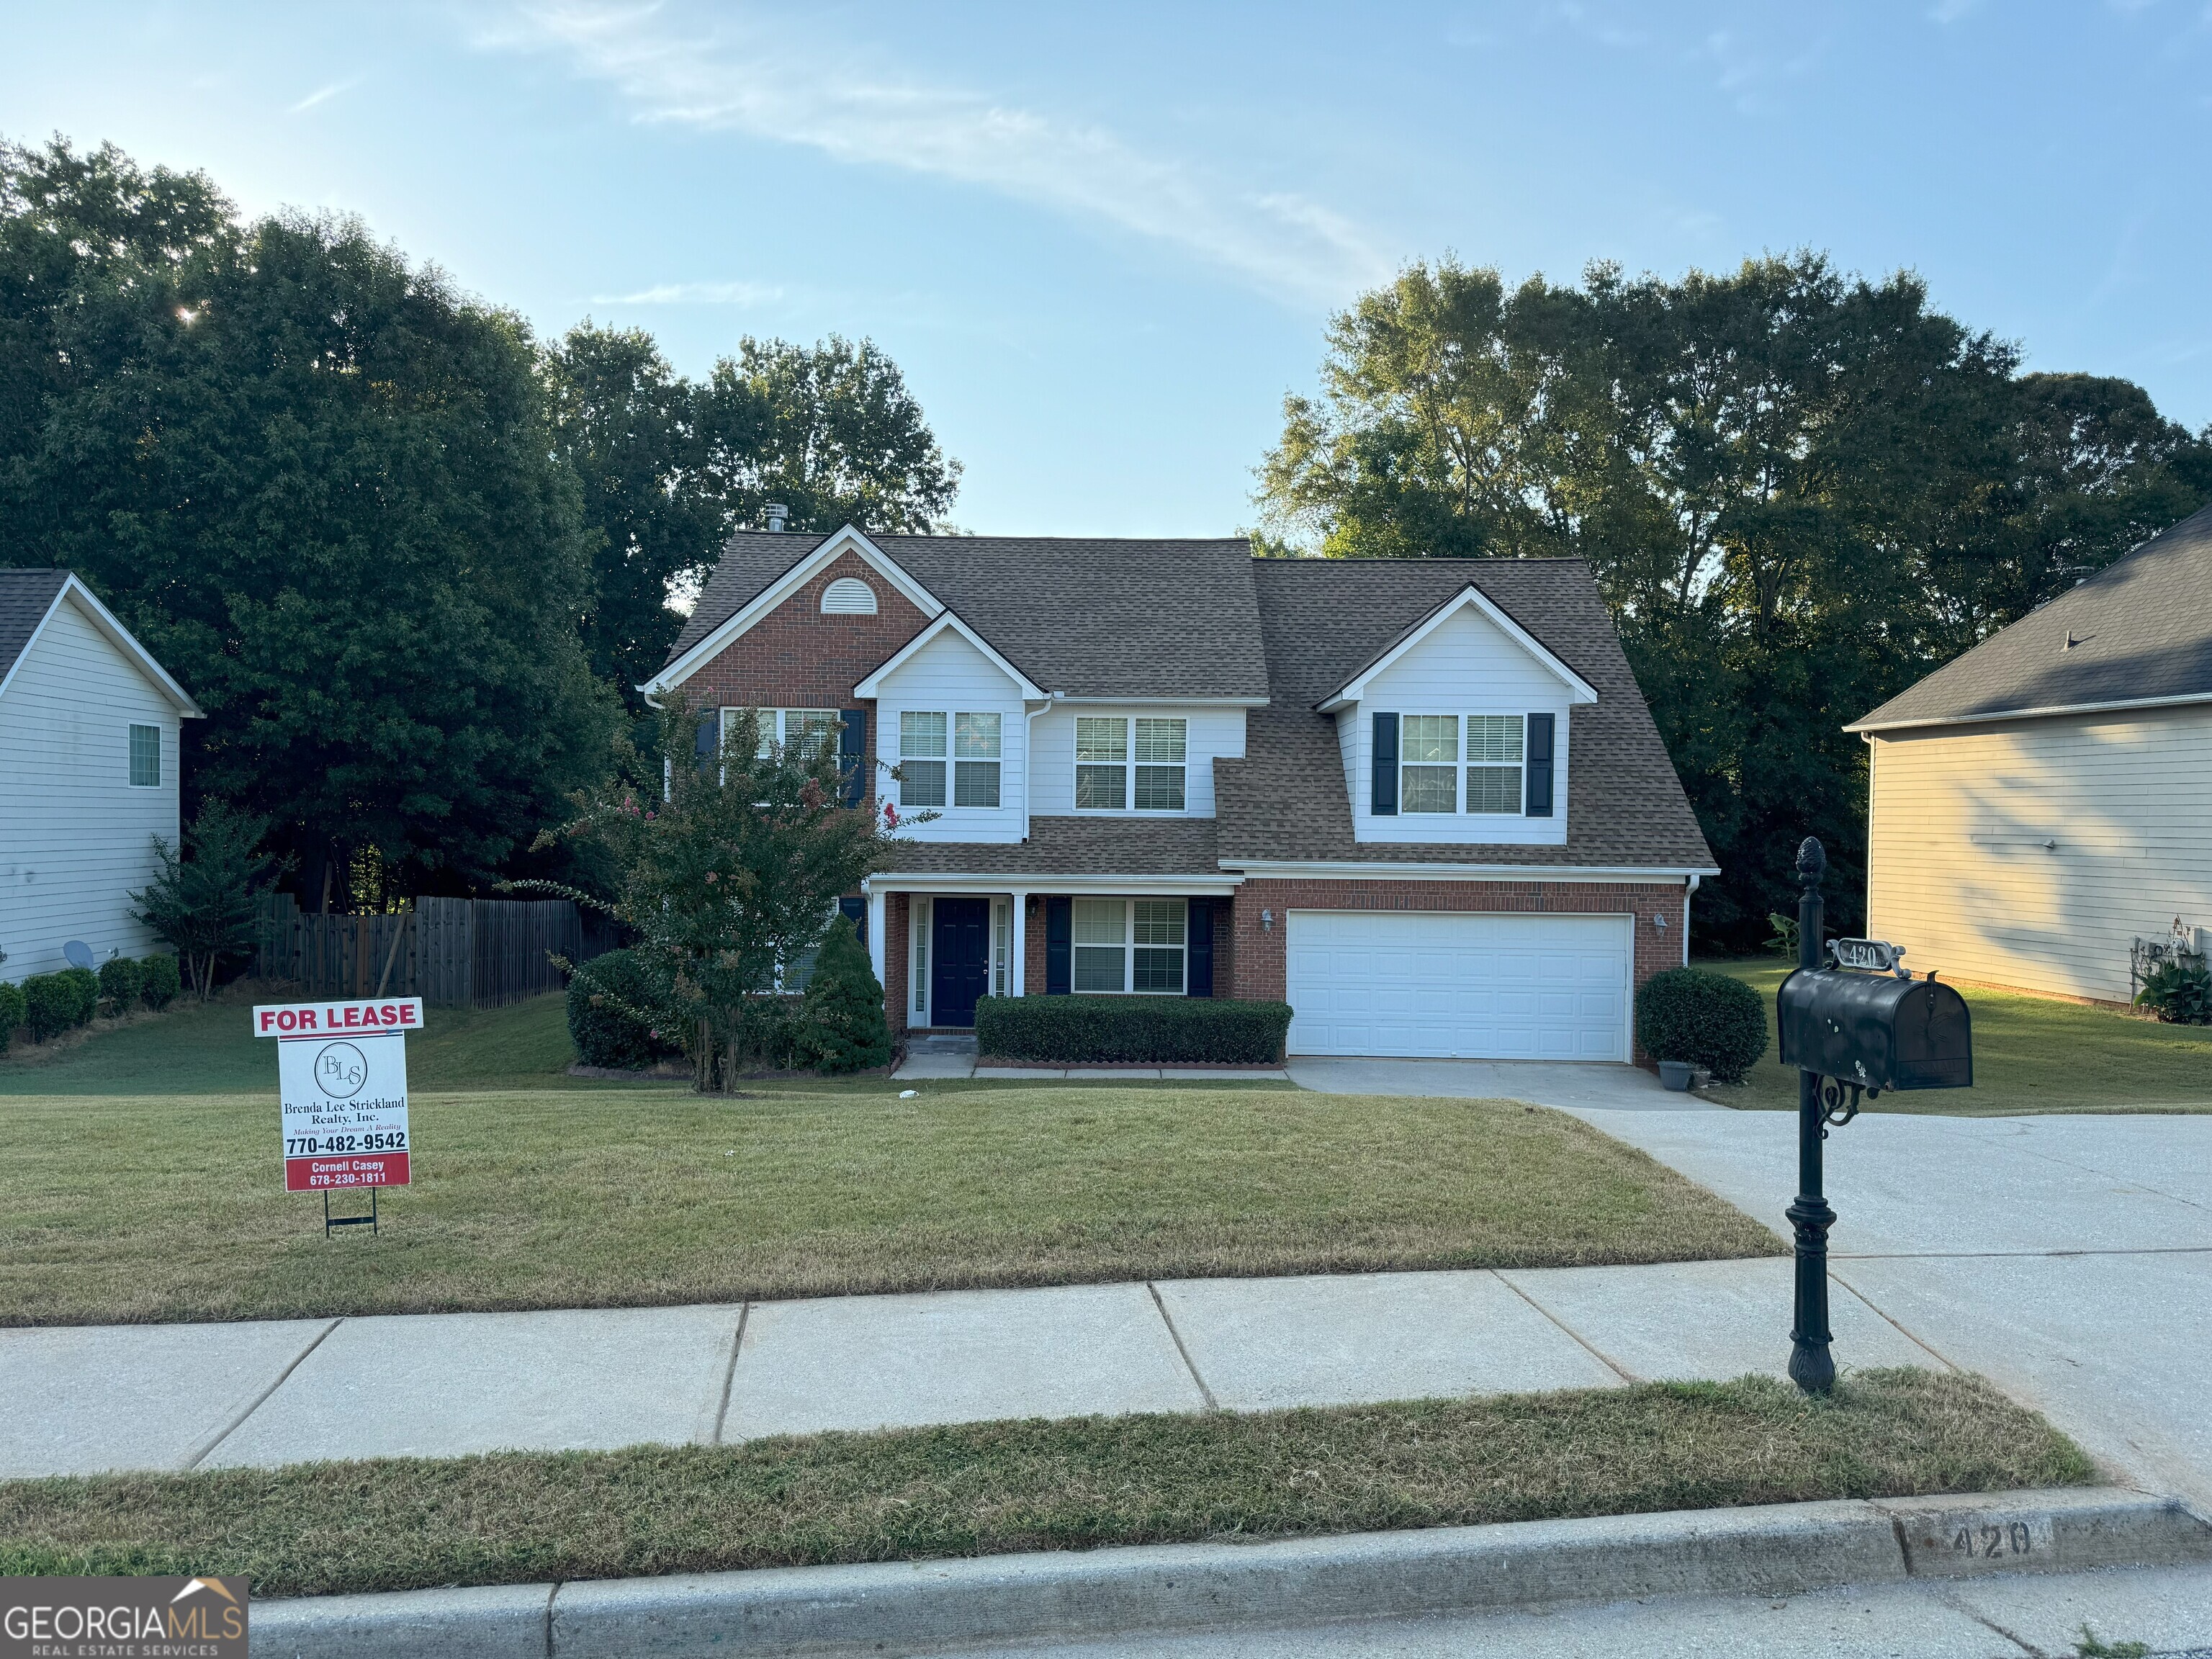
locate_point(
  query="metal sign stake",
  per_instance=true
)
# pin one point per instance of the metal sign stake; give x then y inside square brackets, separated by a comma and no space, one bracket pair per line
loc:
[368,1221]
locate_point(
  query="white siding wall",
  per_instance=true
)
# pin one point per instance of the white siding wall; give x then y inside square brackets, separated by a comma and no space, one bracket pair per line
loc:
[1212,733]
[1961,869]
[1468,665]
[74,836]
[951,677]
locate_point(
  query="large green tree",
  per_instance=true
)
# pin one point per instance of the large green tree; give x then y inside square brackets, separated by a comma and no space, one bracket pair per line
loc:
[322,488]
[1799,491]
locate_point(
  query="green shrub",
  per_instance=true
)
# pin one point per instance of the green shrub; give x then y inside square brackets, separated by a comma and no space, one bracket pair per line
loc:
[50,1006]
[120,981]
[1132,1031]
[84,986]
[1708,1019]
[841,1025]
[14,1010]
[2178,992]
[160,980]
[606,996]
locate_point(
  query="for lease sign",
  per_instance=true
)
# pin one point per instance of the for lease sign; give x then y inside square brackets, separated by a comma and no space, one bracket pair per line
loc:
[342,1074]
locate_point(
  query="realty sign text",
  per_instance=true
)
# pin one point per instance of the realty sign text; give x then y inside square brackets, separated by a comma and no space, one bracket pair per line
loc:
[342,1072]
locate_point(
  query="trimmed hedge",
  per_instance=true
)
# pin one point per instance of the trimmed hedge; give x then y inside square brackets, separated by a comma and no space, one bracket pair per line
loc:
[1708,1019]
[843,1028]
[160,980]
[120,981]
[50,1006]
[1132,1031]
[84,984]
[14,1010]
[604,1033]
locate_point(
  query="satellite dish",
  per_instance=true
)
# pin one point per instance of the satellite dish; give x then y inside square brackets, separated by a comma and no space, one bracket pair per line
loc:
[79,954]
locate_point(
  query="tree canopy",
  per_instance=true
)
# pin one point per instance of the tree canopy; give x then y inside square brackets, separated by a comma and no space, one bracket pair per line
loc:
[1799,491]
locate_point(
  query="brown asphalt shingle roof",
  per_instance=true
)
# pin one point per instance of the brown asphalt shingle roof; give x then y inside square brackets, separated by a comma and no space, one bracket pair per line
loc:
[1074,846]
[25,596]
[2141,628]
[1089,617]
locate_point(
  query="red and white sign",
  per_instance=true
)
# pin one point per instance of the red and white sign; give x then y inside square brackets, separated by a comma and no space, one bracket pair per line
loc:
[341,1075]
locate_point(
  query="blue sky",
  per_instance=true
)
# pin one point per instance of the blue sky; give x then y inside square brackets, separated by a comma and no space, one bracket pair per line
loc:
[1102,241]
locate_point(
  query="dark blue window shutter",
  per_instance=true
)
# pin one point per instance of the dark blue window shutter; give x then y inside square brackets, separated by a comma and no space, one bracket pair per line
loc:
[1199,976]
[1386,765]
[853,755]
[708,741]
[1059,946]
[855,910]
[1540,765]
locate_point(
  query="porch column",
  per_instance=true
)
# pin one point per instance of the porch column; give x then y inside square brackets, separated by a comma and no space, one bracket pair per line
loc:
[876,923]
[1021,945]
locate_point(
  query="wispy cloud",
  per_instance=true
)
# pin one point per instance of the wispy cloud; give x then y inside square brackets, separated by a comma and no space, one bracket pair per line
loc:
[757,76]
[695,293]
[321,95]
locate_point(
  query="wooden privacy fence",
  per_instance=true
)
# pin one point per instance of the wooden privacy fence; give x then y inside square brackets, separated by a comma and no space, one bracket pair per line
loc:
[452,952]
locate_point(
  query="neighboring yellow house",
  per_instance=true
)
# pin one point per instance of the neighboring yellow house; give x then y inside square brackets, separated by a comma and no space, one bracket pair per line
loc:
[2046,799]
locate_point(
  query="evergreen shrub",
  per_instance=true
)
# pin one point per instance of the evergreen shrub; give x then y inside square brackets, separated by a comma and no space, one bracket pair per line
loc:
[841,1024]
[1708,1019]
[120,981]
[14,1010]
[1074,1030]
[160,980]
[602,995]
[50,1005]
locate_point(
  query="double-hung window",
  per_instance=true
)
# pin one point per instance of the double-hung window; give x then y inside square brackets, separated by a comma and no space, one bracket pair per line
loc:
[1493,763]
[145,756]
[1129,945]
[974,762]
[1428,764]
[1431,762]
[805,726]
[1115,771]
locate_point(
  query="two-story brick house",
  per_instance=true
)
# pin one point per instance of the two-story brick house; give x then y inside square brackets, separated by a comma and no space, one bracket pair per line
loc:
[1422,800]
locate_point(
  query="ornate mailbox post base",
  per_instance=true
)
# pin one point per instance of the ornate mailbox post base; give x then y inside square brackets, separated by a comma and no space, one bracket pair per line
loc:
[1811,1368]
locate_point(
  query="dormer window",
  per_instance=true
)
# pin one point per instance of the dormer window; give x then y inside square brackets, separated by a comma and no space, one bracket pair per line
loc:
[849,596]
[1471,765]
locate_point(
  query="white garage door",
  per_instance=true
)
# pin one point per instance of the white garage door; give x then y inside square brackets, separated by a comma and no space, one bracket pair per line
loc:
[1459,987]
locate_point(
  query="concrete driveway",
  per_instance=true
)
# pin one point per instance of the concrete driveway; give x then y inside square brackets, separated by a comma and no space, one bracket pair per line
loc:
[1594,1085]
[2067,1258]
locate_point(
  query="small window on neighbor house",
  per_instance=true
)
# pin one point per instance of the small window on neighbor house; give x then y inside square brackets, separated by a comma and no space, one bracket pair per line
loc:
[146,756]
[849,596]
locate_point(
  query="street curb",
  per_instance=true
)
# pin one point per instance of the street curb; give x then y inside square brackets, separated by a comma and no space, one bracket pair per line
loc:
[917,1606]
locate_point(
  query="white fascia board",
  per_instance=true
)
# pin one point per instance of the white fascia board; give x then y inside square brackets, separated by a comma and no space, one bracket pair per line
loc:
[873,685]
[1163,703]
[1578,689]
[1264,869]
[117,635]
[2119,707]
[897,881]
[848,540]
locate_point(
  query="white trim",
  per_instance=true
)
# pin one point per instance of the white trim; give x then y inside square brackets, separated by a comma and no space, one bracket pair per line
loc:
[894,881]
[832,547]
[1164,702]
[117,635]
[876,934]
[1578,689]
[2119,706]
[1018,970]
[1299,869]
[873,685]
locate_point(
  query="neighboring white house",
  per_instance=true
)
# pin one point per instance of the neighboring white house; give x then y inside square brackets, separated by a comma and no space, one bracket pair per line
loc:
[89,725]
[2041,802]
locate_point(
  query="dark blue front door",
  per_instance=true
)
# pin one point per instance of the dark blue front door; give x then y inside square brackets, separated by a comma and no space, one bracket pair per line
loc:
[960,957]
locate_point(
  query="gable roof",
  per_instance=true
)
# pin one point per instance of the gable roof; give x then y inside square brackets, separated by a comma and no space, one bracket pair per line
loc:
[1084,617]
[1325,619]
[27,598]
[2141,636]
[1466,596]
[947,621]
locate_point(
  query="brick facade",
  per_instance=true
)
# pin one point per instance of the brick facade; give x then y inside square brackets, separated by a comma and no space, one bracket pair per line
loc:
[797,657]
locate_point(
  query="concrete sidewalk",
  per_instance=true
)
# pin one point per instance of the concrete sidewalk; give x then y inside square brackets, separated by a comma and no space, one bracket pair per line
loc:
[87,1399]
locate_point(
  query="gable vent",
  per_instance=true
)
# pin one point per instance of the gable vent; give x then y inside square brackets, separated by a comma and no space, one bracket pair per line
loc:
[849,596]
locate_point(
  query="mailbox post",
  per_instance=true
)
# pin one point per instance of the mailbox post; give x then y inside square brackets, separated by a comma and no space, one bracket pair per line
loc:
[1810,1366]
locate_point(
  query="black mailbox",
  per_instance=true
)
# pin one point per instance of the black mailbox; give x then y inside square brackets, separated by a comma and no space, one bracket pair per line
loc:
[1875,1030]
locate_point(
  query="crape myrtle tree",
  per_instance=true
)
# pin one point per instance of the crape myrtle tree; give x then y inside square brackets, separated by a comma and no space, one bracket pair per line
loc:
[1798,491]
[322,487]
[669,467]
[725,867]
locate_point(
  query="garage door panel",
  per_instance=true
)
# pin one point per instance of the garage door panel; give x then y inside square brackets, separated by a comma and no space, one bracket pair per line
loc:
[1458,986]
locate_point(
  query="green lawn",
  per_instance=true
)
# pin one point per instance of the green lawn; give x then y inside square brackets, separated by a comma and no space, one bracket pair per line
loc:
[987,1488]
[2030,1055]
[141,1180]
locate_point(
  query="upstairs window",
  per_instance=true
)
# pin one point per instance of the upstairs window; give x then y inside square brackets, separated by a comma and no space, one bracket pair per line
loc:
[1493,763]
[1129,946]
[1115,774]
[145,756]
[1428,764]
[974,762]
[921,759]
[1431,762]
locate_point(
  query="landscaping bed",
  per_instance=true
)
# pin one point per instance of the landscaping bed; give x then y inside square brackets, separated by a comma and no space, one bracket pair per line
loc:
[2030,1055]
[991,1488]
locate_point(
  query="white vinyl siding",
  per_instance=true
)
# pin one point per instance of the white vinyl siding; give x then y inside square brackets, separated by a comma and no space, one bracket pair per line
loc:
[975,779]
[76,834]
[1460,986]
[1205,734]
[2031,853]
